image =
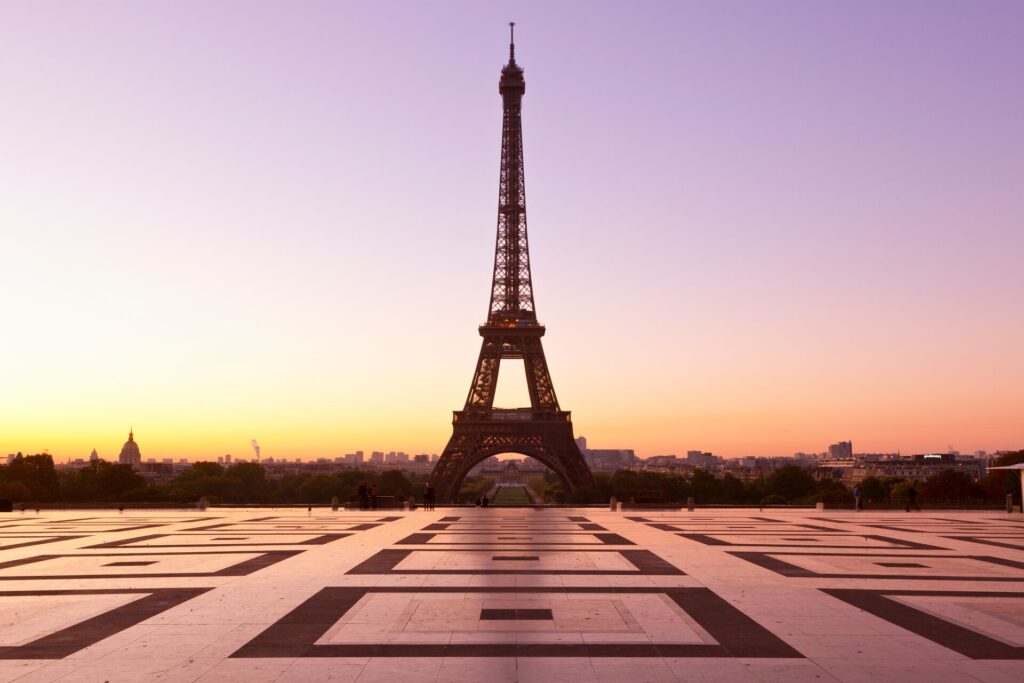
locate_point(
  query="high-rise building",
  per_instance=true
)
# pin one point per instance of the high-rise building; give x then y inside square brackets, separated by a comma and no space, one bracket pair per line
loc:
[130,454]
[841,451]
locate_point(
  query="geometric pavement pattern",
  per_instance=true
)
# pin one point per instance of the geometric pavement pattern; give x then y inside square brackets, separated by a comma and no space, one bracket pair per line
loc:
[503,594]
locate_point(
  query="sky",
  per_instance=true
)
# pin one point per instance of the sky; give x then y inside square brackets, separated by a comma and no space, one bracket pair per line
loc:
[755,228]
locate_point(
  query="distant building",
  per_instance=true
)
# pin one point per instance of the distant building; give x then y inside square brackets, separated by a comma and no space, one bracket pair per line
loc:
[130,454]
[915,467]
[94,456]
[707,461]
[609,459]
[377,458]
[841,451]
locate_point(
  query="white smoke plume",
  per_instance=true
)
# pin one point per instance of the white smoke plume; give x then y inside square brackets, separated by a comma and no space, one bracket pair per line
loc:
[256,448]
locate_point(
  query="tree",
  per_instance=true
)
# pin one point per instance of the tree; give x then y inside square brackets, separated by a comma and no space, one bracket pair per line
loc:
[790,482]
[36,473]
[951,486]
[705,487]
[394,483]
[251,482]
[199,470]
[999,483]
[872,490]
[317,489]
[101,481]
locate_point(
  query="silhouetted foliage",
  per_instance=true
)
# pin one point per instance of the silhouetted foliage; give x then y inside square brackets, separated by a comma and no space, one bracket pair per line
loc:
[791,482]
[33,478]
[1002,482]
[100,481]
[952,488]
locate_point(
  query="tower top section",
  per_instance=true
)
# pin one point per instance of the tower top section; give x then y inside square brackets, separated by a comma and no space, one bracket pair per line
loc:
[512,83]
[512,286]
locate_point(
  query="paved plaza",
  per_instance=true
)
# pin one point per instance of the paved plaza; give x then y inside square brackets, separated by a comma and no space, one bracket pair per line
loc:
[494,595]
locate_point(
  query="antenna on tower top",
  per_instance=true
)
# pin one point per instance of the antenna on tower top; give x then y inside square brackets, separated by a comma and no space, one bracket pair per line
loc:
[512,42]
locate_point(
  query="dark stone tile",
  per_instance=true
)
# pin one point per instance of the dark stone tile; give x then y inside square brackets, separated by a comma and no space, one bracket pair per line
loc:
[953,636]
[74,638]
[515,614]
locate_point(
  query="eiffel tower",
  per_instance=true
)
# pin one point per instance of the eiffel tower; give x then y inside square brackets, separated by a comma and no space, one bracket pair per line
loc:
[543,431]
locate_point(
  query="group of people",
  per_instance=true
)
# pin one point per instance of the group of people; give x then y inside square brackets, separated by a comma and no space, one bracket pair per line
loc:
[367,496]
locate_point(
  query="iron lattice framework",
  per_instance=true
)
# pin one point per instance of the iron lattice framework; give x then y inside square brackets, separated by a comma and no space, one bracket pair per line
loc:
[542,431]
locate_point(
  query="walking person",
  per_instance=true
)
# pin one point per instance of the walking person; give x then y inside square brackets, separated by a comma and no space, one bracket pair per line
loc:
[373,496]
[857,507]
[364,497]
[912,498]
[428,498]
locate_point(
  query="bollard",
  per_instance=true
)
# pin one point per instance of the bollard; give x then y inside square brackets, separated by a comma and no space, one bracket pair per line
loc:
[334,503]
[202,504]
[1009,502]
[689,503]
[612,505]
[819,506]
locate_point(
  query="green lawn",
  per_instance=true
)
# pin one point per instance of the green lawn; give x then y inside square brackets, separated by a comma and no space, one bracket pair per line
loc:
[511,496]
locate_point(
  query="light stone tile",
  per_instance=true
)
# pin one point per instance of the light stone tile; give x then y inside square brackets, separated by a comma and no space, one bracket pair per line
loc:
[477,670]
[646,670]
[555,670]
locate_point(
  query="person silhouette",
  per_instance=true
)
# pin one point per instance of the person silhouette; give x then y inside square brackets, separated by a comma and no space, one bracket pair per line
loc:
[912,498]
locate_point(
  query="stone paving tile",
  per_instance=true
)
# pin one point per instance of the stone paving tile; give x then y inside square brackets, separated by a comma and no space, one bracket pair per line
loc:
[511,595]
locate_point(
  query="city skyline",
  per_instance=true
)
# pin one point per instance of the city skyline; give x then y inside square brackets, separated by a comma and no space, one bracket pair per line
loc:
[757,230]
[345,454]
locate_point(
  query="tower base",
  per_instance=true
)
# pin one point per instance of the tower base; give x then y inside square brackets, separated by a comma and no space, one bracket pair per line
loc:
[546,437]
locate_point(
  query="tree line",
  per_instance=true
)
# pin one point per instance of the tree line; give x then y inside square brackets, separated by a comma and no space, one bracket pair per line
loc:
[788,485]
[34,479]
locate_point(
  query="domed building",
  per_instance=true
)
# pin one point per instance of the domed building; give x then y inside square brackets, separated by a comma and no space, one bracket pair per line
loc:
[130,454]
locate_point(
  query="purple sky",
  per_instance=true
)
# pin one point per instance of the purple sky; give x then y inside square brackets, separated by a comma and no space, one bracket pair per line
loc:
[755,227]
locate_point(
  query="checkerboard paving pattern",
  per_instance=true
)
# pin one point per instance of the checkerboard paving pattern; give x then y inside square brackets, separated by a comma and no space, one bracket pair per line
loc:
[580,594]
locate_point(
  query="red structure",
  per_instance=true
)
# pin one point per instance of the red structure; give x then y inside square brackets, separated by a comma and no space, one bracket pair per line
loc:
[542,431]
